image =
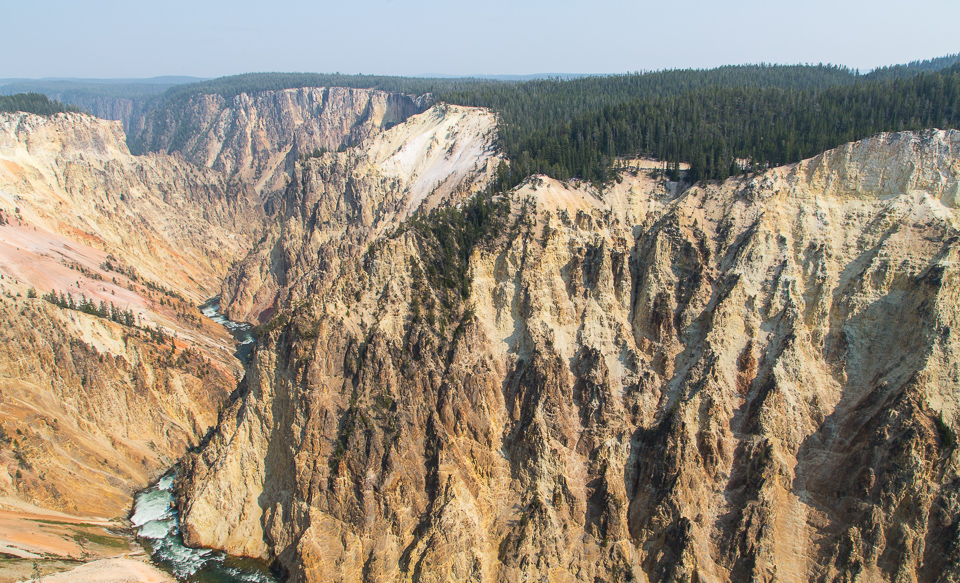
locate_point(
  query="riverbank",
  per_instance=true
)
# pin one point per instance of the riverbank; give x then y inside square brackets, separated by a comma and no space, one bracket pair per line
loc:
[117,570]
[37,542]
[157,522]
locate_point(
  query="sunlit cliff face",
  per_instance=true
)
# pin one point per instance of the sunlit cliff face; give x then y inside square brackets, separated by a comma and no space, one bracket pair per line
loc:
[740,380]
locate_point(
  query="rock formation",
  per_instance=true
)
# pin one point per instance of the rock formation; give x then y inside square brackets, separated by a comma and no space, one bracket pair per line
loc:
[748,380]
[258,137]
[92,411]
[338,203]
[753,380]
[72,176]
[95,405]
[132,112]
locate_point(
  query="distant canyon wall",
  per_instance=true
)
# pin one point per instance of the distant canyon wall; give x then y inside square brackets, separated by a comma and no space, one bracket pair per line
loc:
[340,202]
[257,137]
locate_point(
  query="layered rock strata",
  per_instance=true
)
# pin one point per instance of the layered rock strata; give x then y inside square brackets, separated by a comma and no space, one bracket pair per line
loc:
[257,137]
[98,400]
[753,380]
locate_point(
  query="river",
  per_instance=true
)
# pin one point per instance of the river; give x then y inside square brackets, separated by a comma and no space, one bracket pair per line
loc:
[241,331]
[158,525]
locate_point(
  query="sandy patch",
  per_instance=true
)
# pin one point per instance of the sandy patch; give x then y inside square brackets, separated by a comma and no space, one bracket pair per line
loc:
[31,535]
[36,540]
[118,570]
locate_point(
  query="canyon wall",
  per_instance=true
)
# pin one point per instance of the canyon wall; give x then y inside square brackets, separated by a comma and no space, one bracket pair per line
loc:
[748,380]
[340,202]
[97,401]
[72,176]
[257,137]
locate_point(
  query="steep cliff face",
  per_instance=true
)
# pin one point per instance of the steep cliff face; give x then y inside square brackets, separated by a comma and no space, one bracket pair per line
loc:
[129,104]
[131,112]
[753,380]
[339,202]
[94,405]
[257,137]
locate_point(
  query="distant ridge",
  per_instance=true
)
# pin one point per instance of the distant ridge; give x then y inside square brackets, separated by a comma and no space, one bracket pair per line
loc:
[532,77]
[125,100]
[79,91]
[913,68]
[161,80]
[574,125]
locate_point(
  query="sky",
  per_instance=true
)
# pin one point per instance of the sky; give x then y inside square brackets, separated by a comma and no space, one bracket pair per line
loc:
[212,38]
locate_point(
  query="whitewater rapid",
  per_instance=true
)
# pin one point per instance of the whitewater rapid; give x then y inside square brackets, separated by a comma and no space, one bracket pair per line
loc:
[158,526]
[241,331]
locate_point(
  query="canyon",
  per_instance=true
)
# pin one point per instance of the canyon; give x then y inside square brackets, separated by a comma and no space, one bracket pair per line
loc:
[747,380]
[96,403]
[644,380]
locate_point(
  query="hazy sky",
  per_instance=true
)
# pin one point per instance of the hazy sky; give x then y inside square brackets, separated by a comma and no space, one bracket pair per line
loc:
[209,38]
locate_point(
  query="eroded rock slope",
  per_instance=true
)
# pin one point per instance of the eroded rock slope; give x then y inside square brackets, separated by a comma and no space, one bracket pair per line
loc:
[71,176]
[257,137]
[340,202]
[96,403]
[753,380]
